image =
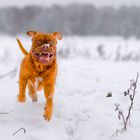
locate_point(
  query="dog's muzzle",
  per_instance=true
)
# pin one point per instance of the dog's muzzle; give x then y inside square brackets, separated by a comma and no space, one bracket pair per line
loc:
[43,57]
[44,54]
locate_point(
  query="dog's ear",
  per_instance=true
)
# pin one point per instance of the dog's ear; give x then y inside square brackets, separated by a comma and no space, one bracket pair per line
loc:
[58,35]
[31,33]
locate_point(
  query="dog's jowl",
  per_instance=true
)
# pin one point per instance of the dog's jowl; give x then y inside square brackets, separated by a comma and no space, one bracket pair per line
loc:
[39,68]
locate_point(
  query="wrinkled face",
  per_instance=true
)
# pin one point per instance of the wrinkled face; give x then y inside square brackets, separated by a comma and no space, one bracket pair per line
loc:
[44,46]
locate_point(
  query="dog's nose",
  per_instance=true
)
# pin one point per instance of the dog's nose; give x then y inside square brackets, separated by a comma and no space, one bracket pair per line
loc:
[46,46]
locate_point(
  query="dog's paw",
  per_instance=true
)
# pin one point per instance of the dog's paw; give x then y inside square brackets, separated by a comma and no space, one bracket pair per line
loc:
[21,99]
[48,113]
[34,98]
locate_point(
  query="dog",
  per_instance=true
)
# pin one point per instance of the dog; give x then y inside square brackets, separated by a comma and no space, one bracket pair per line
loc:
[38,68]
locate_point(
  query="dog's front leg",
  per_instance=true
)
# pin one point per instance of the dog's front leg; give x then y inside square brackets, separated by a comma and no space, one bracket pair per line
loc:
[49,92]
[22,88]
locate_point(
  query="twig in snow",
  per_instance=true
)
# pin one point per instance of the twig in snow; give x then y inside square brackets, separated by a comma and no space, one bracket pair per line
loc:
[11,73]
[24,131]
[131,92]
[4,112]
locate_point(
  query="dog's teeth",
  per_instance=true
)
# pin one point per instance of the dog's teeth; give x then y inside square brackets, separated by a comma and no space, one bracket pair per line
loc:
[39,54]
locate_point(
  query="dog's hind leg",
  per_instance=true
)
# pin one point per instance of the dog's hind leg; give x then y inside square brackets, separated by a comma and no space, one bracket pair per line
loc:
[32,90]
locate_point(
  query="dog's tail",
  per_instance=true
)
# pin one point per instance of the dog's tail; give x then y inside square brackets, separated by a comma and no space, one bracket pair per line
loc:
[21,47]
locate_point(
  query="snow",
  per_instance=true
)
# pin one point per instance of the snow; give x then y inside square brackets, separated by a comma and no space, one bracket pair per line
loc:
[81,109]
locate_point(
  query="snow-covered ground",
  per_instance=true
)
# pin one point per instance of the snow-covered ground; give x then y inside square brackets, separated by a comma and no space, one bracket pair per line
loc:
[89,68]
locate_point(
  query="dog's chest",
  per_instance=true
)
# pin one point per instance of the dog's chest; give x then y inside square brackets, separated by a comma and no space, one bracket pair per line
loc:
[37,81]
[40,67]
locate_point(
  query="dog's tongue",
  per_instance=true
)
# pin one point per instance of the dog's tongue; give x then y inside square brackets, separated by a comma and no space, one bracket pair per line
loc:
[44,59]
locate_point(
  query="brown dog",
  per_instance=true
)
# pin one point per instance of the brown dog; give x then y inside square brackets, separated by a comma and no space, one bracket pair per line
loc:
[39,68]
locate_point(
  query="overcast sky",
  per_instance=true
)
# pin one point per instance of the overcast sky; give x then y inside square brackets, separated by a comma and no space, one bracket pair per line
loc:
[99,3]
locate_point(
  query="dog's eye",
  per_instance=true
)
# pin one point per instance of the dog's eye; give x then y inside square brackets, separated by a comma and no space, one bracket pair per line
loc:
[51,43]
[39,41]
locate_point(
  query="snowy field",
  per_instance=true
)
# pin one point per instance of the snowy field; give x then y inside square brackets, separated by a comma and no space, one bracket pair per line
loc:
[89,68]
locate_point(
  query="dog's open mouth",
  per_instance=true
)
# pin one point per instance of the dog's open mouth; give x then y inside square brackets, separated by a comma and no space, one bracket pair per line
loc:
[43,57]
